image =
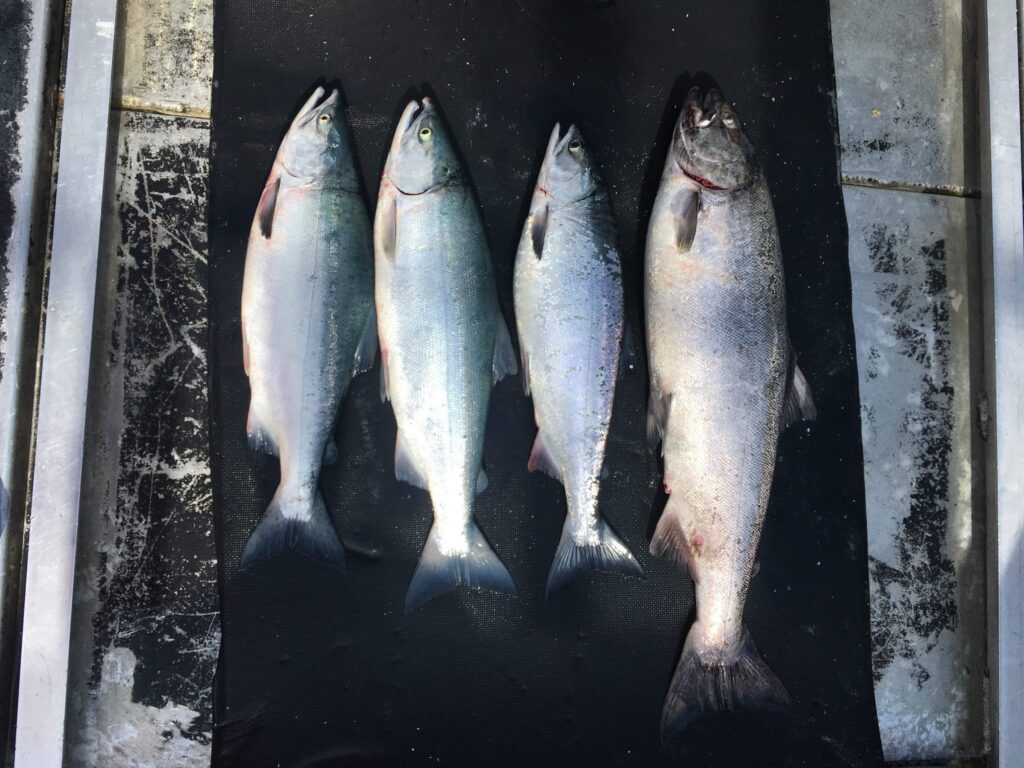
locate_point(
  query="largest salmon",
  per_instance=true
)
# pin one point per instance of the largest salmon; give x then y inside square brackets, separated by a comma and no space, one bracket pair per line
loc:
[307,321]
[723,383]
[444,343]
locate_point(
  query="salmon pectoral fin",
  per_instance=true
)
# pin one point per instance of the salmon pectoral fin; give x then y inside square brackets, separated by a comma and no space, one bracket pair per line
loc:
[538,229]
[659,406]
[702,687]
[504,362]
[572,559]
[366,352]
[267,205]
[438,572]
[685,207]
[301,526]
[541,459]
[799,404]
[386,225]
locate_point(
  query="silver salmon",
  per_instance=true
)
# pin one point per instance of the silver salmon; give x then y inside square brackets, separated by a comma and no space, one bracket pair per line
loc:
[307,321]
[444,343]
[723,383]
[568,300]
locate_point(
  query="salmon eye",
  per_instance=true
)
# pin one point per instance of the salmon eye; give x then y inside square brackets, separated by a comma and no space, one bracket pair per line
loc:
[325,118]
[574,145]
[425,133]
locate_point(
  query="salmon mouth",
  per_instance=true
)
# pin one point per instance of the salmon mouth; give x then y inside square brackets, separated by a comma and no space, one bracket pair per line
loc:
[563,142]
[314,104]
[556,145]
[543,176]
[413,111]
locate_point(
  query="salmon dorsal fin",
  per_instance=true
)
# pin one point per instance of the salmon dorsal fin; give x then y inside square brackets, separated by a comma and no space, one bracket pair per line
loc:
[267,204]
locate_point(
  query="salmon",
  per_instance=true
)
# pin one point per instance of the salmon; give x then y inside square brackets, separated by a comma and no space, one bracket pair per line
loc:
[724,382]
[308,323]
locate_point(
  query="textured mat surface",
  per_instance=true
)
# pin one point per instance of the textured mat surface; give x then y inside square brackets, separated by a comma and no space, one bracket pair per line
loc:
[323,669]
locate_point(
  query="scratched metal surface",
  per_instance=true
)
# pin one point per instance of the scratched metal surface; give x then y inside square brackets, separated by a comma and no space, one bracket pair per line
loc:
[913,264]
[15,32]
[27,102]
[146,625]
[906,77]
[901,125]
[907,103]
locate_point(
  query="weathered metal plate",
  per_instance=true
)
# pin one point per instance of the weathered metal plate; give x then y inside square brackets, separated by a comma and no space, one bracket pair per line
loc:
[146,624]
[906,83]
[26,139]
[168,56]
[913,260]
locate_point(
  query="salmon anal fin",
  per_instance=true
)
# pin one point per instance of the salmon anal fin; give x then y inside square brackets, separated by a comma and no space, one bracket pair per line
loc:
[258,434]
[405,468]
[669,540]
[541,459]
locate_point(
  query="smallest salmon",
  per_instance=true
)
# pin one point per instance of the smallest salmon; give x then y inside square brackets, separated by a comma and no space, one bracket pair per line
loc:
[568,298]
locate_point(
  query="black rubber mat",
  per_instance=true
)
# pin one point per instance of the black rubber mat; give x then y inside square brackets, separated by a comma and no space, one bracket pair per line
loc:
[324,669]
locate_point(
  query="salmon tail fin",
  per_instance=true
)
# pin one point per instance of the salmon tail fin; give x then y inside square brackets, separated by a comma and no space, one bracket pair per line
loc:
[606,553]
[295,526]
[439,571]
[698,688]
